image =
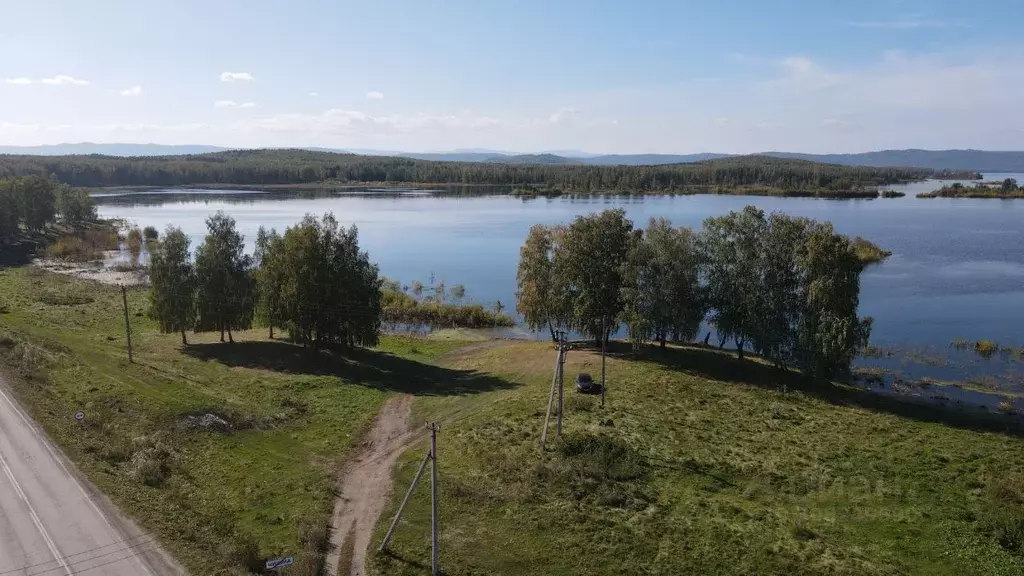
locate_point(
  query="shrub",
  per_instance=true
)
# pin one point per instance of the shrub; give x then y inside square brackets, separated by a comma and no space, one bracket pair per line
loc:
[150,233]
[72,248]
[151,462]
[246,553]
[602,458]
[986,348]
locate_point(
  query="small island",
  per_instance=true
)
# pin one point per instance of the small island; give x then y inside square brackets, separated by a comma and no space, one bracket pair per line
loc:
[957,175]
[1006,189]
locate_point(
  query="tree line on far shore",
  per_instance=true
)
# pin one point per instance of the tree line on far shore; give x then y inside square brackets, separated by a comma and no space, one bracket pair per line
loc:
[784,287]
[30,203]
[276,167]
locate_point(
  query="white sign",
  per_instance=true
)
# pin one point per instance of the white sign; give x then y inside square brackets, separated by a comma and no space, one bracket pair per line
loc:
[279,562]
[79,416]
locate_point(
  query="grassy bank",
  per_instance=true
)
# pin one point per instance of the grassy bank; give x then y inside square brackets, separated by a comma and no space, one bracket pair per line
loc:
[227,453]
[977,191]
[701,464]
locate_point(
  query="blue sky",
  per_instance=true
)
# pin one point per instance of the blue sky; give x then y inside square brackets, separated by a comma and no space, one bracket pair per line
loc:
[599,76]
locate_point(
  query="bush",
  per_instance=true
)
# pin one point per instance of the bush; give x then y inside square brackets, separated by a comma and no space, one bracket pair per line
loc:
[602,458]
[150,233]
[152,461]
[73,248]
[246,553]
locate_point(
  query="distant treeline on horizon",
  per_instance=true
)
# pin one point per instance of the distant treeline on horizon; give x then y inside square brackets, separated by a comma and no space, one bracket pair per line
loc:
[277,167]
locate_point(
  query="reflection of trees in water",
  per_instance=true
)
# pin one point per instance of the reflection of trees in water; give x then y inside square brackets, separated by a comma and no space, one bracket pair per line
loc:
[185,196]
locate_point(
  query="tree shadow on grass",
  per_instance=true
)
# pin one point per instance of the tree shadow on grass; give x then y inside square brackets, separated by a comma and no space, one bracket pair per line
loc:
[371,368]
[713,364]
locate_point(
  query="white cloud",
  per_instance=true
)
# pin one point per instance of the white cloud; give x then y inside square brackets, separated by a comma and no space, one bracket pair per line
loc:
[133,91]
[236,77]
[233,104]
[62,80]
[374,95]
[563,114]
[19,81]
[313,94]
[723,121]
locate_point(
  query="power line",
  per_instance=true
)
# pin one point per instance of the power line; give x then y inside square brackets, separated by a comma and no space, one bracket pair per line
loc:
[89,551]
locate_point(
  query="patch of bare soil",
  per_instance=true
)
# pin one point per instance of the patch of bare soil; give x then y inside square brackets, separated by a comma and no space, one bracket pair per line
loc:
[366,485]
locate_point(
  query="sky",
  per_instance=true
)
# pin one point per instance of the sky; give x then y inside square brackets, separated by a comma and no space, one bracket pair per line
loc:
[635,76]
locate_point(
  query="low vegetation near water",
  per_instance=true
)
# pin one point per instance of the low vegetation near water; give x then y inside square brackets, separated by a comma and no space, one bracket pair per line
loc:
[704,464]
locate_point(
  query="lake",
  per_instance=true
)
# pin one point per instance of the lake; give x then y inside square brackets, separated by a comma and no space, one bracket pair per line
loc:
[957,269]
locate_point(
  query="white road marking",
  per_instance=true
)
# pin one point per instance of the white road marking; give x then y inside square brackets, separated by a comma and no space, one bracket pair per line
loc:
[35,518]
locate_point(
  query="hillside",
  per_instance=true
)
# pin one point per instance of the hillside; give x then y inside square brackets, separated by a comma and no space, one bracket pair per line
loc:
[535,159]
[979,160]
[702,464]
[290,166]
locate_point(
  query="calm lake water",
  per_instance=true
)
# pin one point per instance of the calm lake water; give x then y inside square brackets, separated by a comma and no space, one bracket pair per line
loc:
[957,269]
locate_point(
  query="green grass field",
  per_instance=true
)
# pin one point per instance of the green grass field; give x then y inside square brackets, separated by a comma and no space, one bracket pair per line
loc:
[214,498]
[701,464]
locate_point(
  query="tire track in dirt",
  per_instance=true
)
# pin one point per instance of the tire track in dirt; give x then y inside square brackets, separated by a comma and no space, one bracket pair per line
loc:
[366,486]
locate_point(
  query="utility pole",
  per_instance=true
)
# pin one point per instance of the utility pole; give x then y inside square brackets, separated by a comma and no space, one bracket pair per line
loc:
[551,395]
[432,457]
[433,499]
[604,344]
[562,349]
[127,324]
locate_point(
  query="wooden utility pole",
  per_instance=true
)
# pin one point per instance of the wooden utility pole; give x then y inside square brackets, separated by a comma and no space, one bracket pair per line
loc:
[433,500]
[551,394]
[432,457]
[394,523]
[562,349]
[604,344]
[127,323]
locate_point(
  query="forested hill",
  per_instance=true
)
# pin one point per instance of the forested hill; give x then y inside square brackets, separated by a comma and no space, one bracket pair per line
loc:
[266,167]
[977,160]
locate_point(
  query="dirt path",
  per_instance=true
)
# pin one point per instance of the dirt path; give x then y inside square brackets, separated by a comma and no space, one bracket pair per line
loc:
[366,485]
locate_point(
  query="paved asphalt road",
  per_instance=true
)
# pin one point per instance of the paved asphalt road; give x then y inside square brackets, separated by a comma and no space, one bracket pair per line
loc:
[49,522]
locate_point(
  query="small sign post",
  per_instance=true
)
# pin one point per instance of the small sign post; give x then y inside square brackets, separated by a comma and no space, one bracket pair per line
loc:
[80,416]
[277,564]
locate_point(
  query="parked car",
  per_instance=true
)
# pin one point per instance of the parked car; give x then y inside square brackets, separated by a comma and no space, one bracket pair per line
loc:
[586,384]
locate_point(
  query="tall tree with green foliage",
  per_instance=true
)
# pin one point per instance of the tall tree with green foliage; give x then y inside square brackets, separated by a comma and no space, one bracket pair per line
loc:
[34,198]
[224,295]
[662,297]
[172,284]
[536,299]
[588,267]
[829,333]
[75,206]
[730,254]
[331,293]
[9,226]
[269,276]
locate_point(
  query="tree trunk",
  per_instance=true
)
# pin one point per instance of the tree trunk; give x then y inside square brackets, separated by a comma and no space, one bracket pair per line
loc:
[661,340]
[183,341]
[221,331]
[553,337]
[271,329]
[230,339]
[739,348]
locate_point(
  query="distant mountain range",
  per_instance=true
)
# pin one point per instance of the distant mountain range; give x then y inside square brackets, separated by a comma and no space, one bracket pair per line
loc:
[979,160]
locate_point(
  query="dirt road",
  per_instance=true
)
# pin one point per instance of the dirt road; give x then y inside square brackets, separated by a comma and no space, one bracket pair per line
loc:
[52,521]
[366,486]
